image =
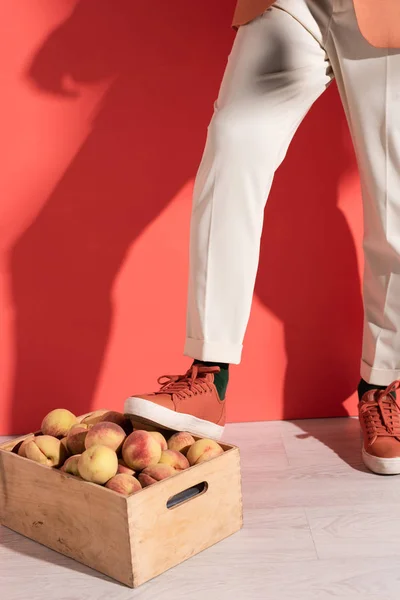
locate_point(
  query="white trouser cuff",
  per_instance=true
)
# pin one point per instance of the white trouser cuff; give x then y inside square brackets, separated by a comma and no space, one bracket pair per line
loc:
[378,376]
[213,351]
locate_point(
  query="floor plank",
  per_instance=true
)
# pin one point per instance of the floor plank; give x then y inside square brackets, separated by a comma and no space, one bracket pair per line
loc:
[356,531]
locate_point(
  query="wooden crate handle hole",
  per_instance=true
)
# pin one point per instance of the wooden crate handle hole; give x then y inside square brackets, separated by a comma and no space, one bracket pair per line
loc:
[186,495]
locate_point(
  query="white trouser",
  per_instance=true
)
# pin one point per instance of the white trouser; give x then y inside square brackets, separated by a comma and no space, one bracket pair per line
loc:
[279,65]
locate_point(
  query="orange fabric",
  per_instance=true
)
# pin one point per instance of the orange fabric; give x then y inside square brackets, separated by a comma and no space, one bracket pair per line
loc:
[247,10]
[379,20]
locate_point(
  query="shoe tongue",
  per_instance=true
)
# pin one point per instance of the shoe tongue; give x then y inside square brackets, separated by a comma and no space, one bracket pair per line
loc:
[392,394]
[202,375]
[204,371]
[372,396]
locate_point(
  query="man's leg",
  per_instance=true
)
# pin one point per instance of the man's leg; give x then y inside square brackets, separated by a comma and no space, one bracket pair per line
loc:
[276,70]
[369,84]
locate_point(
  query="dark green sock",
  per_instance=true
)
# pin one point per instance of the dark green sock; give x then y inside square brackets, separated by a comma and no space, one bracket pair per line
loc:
[364,386]
[220,379]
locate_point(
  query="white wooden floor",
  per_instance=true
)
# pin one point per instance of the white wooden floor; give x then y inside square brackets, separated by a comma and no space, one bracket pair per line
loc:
[318,526]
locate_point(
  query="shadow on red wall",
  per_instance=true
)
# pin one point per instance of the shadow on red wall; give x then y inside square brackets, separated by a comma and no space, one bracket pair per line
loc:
[146,142]
[309,275]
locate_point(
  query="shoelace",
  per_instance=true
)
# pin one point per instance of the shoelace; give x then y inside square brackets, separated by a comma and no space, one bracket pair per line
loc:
[191,383]
[382,414]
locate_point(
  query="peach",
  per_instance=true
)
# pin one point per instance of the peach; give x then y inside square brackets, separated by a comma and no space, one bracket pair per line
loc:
[181,442]
[113,416]
[203,450]
[22,445]
[58,422]
[155,473]
[105,434]
[124,484]
[160,438]
[123,468]
[76,438]
[46,450]
[137,424]
[141,450]
[94,417]
[98,464]
[64,443]
[175,459]
[71,465]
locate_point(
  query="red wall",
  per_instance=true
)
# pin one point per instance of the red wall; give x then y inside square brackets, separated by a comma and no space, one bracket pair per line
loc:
[104,109]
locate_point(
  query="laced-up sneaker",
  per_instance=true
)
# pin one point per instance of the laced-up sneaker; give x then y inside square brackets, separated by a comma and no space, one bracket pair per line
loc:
[379,416]
[188,402]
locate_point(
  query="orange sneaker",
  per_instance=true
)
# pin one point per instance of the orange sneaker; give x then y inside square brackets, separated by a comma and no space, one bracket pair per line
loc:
[187,402]
[379,416]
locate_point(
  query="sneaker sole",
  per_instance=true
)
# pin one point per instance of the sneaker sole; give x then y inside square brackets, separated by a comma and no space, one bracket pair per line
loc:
[159,415]
[381,466]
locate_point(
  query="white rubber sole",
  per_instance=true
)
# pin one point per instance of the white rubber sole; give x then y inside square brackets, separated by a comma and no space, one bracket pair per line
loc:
[159,415]
[381,466]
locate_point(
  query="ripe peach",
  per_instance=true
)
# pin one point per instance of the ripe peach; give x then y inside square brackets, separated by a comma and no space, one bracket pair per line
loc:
[58,422]
[123,468]
[155,473]
[140,450]
[203,450]
[22,445]
[71,465]
[64,443]
[137,424]
[160,438]
[124,484]
[76,438]
[113,416]
[181,442]
[94,417]
[105,434]
[143,426]
[46,450]
[98,464]
[175,459]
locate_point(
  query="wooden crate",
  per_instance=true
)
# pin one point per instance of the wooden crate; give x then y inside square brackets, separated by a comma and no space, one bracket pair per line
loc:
[131,539]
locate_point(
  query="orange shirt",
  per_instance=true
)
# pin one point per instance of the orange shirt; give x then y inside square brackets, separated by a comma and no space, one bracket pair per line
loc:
[379,20]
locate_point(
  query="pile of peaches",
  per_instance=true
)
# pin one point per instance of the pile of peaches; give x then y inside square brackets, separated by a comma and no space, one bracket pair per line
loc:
[104,448]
